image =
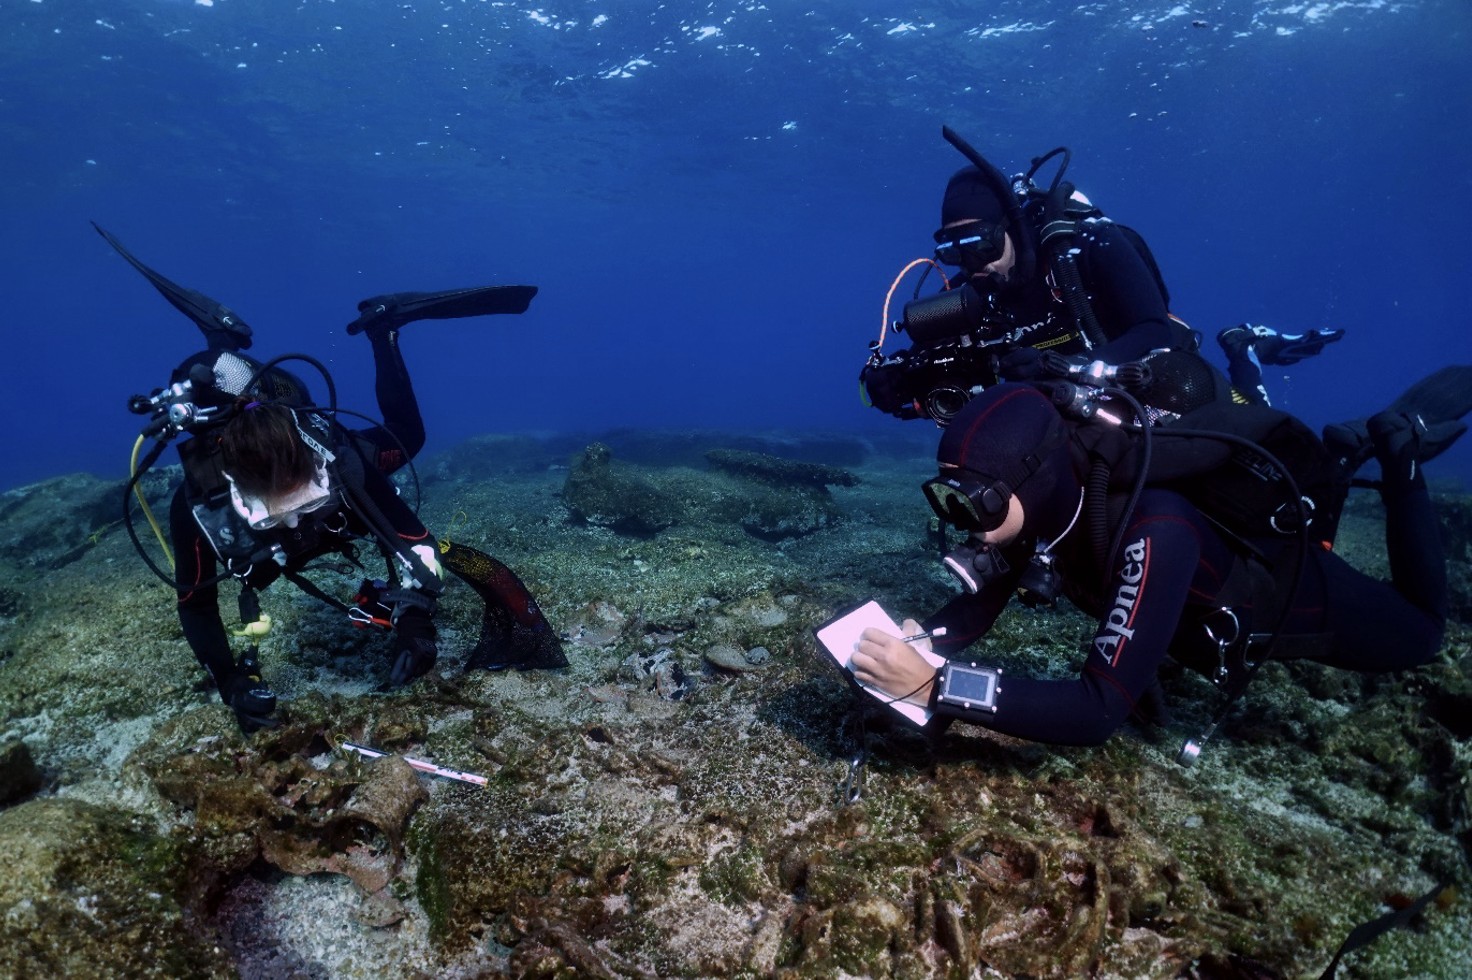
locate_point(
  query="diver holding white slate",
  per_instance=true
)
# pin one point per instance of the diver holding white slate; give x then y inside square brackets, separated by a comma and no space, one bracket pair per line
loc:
[843,636]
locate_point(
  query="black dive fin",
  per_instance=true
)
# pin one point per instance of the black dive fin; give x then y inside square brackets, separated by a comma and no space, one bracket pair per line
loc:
[1439,397]
[222,328]
[396,309]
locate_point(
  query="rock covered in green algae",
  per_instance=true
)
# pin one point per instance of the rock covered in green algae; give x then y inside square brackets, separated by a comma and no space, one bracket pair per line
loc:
[785,498]
[733,658]
[610,494]
[770,498]
[93,892]
[774,514]
[58,521]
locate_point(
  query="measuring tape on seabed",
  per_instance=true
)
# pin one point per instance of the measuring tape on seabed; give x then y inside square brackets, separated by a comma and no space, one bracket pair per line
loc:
[420,765]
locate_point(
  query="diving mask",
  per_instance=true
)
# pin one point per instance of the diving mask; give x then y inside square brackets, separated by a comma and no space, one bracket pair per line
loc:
[968,501]
[972,245]
[264,513]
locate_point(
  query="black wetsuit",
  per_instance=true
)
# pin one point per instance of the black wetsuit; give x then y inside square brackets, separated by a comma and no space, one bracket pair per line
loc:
[1123,293]
[386,448]
[1173,568]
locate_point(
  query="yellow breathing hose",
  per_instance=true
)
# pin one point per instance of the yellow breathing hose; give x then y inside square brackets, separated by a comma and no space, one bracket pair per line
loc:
[158,532]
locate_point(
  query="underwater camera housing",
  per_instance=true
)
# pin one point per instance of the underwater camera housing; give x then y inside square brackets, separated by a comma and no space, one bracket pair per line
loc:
[950,360]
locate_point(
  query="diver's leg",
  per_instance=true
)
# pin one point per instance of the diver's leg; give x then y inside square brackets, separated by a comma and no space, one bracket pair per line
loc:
[1388,626]
[198,596]
[1249,346]
[1375,625]
[1412,533]
[1378,626]
[401,436]
[240,684]
[1243,367]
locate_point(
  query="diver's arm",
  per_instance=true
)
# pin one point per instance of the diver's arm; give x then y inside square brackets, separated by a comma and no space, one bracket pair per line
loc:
[407,526]
[400,515]
[1147,593]
[890,664]
[415,650]
[402,520]
[199,607]
[968,617]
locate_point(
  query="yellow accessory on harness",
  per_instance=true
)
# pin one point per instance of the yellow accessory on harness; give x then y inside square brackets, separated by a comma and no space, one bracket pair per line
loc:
[257,629]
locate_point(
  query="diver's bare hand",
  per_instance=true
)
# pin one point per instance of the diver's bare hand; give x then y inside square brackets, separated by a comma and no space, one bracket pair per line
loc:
[892,665]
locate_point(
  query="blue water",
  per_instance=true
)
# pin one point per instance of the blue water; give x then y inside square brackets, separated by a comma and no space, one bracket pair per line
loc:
[712,197]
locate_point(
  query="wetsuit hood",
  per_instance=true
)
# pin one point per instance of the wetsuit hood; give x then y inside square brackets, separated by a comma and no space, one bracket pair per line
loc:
[1012,432]
[970,196]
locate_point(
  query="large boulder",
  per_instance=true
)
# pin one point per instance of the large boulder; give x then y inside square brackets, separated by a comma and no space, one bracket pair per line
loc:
[610,494]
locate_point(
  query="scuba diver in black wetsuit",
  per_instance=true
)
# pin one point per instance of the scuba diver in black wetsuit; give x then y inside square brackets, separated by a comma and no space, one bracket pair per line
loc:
[1162,574]
[1042,270]
[277,485]
[273,482]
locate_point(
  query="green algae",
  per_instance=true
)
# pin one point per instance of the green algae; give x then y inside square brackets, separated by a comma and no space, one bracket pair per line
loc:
[611,494]
[736,876]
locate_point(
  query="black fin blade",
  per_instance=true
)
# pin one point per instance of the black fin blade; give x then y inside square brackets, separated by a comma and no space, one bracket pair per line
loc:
[222,328]
[396,309]
[1440,396]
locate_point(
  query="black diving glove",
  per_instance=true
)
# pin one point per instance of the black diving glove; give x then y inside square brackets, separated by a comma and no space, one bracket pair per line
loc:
[1023,364]
[883,385]
[415,650]
[250,697]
